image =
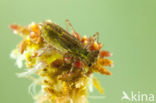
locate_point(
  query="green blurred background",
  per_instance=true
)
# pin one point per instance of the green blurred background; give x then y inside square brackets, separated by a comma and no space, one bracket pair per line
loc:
[127,28]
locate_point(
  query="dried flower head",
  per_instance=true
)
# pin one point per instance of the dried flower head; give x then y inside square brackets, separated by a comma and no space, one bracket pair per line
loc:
[63,61]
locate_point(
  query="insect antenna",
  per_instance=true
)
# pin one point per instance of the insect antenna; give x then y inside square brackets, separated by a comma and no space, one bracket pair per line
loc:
[68,23]
[96,35]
